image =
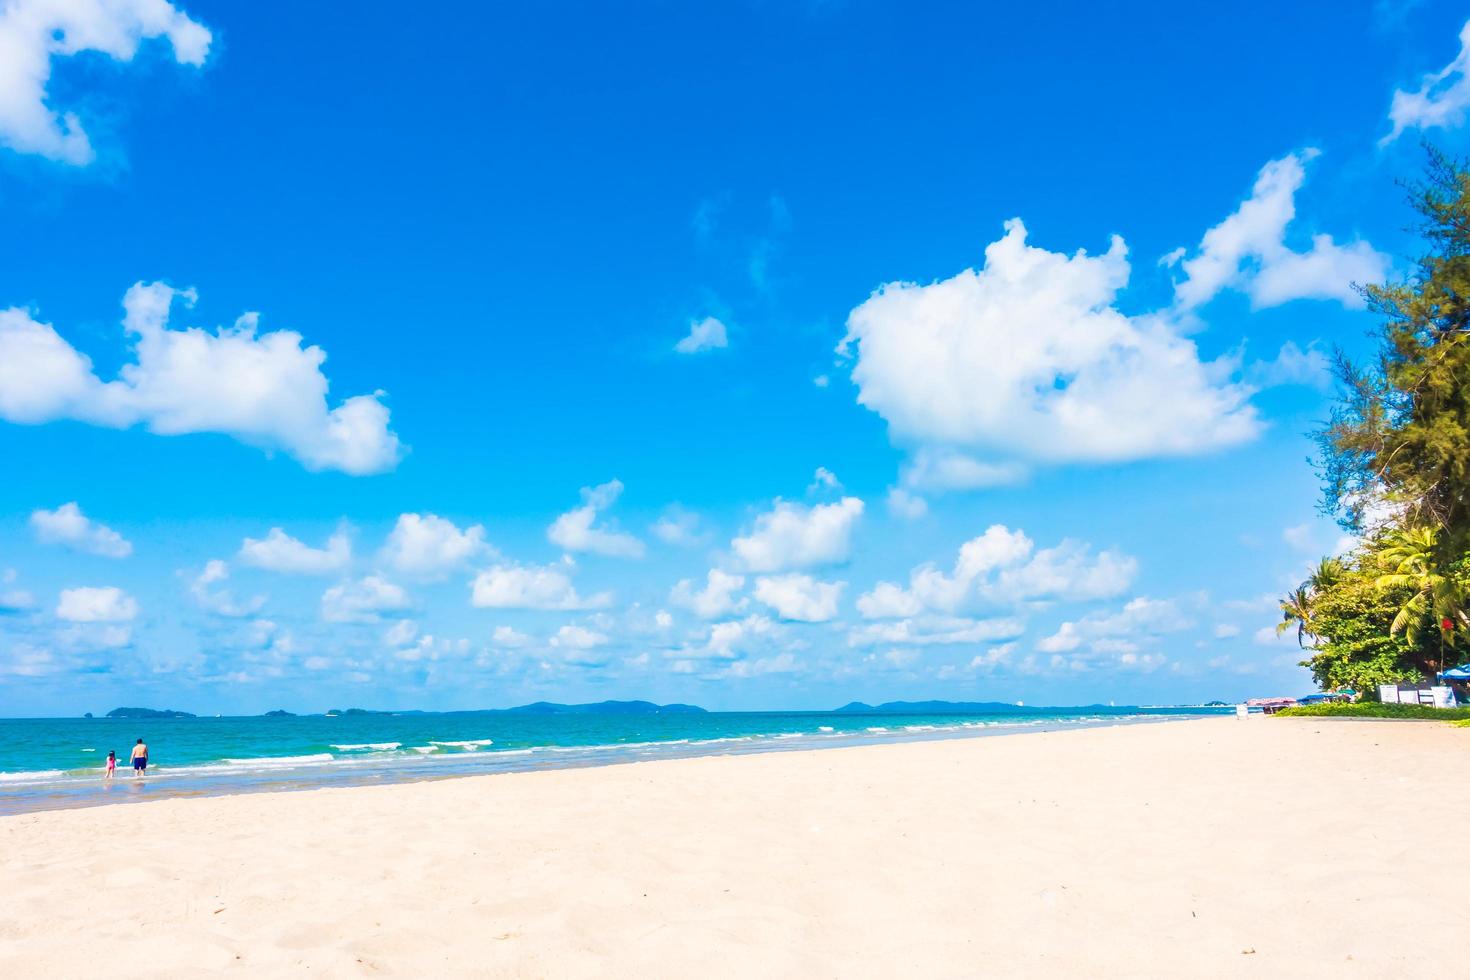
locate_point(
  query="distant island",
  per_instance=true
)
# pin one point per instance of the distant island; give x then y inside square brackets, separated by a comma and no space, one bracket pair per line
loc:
[279,713]
[147,713]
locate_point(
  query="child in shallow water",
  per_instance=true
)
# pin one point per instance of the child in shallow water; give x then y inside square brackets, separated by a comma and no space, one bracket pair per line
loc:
[111,765]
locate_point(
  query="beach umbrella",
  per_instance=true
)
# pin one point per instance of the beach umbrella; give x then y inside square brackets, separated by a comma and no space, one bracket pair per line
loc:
[1460,673]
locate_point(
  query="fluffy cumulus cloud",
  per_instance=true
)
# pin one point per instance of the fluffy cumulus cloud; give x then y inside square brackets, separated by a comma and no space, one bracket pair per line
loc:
[704,335]
[578,638]
[1118,635]
[906,505]
[1079,380]
[793,536]
[211,595]
[279,552]
[719,597]
[800,597]
[1440,101]
[512,586]
[264,389]
[678,527]
[509,637]
[577,530]
[931,630]
[68,526]
[363,601]
[1294,365]
[33,32]
[107,604]
[1003,567]
[732,639]
[429,546]
[944,468]
[1248,250]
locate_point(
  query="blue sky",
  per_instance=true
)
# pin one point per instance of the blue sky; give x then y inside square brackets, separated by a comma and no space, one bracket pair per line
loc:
[754,355]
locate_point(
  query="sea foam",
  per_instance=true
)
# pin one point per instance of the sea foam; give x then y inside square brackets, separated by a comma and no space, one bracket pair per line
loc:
[281,761]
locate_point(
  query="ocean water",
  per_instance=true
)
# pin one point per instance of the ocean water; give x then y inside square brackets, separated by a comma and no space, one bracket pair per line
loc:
[56,763]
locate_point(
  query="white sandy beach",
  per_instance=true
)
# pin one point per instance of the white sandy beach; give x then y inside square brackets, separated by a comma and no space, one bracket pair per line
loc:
[1187,849]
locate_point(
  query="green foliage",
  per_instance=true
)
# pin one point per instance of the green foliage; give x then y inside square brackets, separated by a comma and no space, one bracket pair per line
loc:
[1401,432]
[1351,623]
[1410,560]
[1395,462]
[1368,709]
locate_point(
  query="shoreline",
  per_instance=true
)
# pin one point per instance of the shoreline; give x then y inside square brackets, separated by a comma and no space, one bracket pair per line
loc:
[1214,849]
[86,792]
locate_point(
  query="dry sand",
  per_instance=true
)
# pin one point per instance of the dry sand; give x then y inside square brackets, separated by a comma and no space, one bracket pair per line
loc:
[1187,849]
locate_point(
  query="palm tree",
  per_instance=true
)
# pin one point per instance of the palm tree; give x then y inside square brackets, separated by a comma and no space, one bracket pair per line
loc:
[1296,610]
[1296,607]
[1326,574]
[1409,558]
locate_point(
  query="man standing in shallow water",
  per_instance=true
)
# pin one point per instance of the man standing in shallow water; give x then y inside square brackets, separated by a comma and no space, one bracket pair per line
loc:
[140,758]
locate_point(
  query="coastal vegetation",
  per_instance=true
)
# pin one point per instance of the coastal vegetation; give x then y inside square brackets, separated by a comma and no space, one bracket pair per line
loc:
[1395,461]
[1369,709]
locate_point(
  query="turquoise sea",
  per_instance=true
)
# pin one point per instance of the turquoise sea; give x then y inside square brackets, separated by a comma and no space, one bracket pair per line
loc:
[55,763]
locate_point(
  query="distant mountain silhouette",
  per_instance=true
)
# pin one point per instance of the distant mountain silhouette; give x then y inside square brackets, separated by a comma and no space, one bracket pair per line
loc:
[147,713]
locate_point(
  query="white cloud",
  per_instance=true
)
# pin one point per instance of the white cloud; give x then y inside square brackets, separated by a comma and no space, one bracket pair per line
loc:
[936,630]
[265,390]
[1002,567]
[1293,366]
[1441,99]
[730,640]
[429,546]
[824,479]
[678,527]
[67,525]
[32,32]
[1267,636]
[1079,380]
[778,663]
[941,469]
[16,601]
[706,334]
[1300,537]
[220,601]
[511,586]
[577,531]
[279,552]
[1225,631]
[717,598]
[96,605]
[510,637]
[793,536]
[906,505]
[401,633]
[363,601]
[578,638]
[1248,251]
[800,597]
[1120,632]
